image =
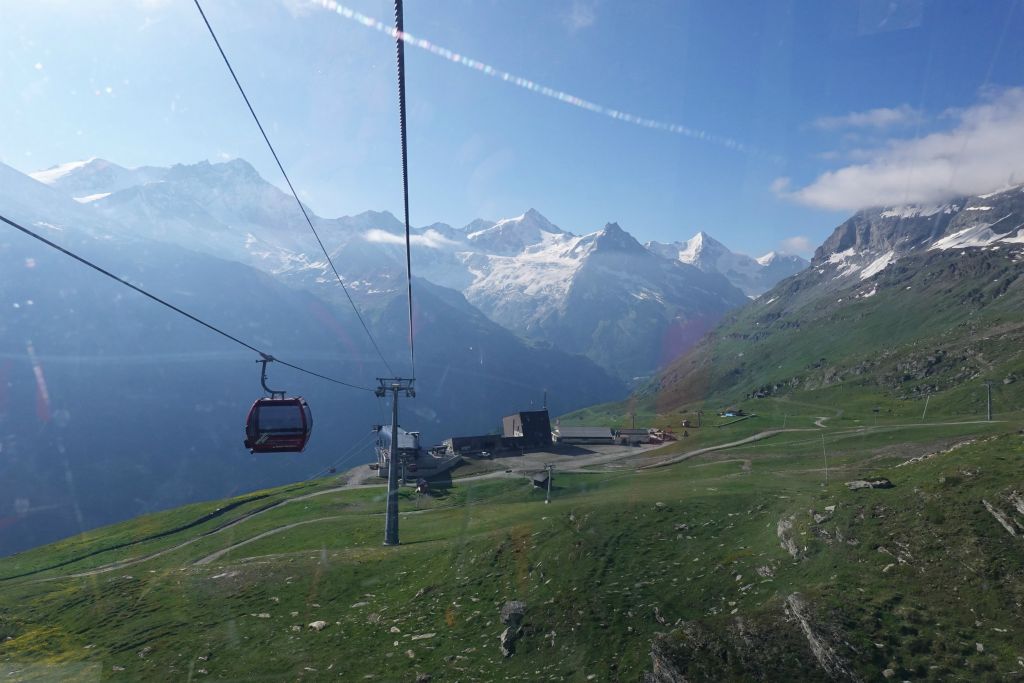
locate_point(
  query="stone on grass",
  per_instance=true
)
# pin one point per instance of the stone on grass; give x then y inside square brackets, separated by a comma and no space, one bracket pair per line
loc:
[876,483]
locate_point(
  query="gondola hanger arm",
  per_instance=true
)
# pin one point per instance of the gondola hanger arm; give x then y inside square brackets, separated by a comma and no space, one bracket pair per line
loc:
[267,358]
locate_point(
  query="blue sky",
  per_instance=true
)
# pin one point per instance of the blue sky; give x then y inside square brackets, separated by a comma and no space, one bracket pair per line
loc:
[838,105]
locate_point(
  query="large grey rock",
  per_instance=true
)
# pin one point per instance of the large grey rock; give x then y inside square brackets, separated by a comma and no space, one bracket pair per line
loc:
[878,483]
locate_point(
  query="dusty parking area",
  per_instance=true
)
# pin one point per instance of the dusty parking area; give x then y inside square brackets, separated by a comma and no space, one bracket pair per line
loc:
[567,458]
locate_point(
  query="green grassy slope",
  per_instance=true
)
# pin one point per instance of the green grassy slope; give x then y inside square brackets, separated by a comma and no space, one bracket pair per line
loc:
[692,551]
[936,324]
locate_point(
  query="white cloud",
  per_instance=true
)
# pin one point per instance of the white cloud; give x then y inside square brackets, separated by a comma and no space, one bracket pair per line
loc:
[582,14]
[882,117]
[798,244]
[982,152]
[431,239]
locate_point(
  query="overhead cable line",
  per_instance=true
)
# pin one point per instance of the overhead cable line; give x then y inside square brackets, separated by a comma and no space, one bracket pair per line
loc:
[291,187]
[400,45]
[126,283]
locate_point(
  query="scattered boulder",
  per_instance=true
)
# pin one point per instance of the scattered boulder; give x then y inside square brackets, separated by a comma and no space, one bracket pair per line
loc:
[784,532]
[511,613]
[876,483]
[318,625]
[819,517]
[508,641]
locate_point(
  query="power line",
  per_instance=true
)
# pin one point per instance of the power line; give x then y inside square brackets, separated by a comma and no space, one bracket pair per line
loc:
[171,306]
[291,187]
[400,45]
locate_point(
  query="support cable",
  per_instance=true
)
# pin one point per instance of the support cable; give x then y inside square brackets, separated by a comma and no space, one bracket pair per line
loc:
[400,45]
[291,187]
[171,306]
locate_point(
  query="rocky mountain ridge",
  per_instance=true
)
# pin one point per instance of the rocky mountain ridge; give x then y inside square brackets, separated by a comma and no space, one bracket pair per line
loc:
[524,273]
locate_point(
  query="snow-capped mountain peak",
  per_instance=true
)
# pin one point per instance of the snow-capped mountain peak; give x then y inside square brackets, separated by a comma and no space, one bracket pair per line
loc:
[478,225]
[702,251]
[611,238]
[753,276]
[513,235]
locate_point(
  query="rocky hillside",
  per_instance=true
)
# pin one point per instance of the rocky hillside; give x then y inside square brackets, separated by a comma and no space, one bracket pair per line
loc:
[895,301]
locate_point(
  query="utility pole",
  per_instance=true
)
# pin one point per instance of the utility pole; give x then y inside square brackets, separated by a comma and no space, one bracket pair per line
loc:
[394,385]
[550,468]
[700,414]
[824,455]
[988,385]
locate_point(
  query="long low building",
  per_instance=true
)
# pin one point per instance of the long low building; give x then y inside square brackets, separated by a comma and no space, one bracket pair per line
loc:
[582,435]
[634,436]
[474,444]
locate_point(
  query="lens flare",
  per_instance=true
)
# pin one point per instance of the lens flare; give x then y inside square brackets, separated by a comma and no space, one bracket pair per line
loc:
[42,393]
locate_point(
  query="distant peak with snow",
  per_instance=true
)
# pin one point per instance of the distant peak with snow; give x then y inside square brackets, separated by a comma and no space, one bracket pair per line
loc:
[51,175]
[512,235]
[753,276]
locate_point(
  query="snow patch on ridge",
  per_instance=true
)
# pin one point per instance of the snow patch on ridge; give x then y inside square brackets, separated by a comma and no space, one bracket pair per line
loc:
[51,175]
[841,256]
[917,211]
[878,265]
[980,235]
[91,197]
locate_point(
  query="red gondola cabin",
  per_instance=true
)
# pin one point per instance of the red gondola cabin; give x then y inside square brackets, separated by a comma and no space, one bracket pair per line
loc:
[278,425]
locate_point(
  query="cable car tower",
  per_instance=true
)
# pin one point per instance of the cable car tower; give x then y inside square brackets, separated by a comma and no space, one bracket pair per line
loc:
[395,385]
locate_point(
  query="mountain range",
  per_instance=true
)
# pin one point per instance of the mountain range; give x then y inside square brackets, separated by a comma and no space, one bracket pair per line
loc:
[601,294]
